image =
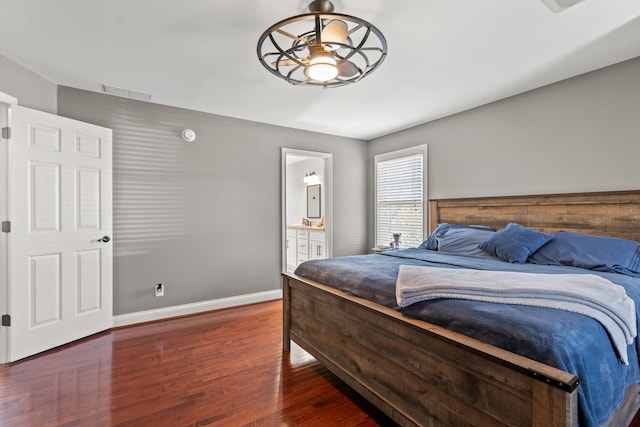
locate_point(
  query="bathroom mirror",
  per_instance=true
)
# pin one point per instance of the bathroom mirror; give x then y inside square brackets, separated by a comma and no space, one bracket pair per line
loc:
[313,201]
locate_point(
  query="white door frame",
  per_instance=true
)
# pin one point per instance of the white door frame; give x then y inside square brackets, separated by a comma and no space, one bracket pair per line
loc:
[327,201]
[6,104]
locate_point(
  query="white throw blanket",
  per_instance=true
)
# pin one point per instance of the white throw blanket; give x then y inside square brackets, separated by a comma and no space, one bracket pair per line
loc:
[586,294]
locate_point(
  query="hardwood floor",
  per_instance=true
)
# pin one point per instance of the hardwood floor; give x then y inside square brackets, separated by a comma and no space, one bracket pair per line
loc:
[223,368]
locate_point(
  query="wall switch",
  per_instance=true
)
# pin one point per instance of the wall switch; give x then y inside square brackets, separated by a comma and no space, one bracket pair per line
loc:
[159,290]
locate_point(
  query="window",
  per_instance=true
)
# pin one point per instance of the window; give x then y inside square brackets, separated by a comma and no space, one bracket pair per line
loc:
[400,195]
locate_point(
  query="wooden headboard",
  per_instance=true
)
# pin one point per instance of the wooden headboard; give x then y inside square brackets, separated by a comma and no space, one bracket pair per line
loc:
[615,214]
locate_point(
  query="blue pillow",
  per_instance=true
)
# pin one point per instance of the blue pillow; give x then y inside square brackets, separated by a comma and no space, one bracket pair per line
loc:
[515,243]
[432,244]
[591,252]
[463,241]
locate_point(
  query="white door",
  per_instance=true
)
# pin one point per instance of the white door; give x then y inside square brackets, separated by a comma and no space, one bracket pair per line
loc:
[60,253]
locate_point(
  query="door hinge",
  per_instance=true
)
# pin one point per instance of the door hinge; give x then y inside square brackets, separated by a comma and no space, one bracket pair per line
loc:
[6,320]
[6,226]
[6,132]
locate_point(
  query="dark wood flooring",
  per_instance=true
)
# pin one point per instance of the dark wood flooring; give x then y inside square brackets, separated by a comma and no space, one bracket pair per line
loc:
[223,368]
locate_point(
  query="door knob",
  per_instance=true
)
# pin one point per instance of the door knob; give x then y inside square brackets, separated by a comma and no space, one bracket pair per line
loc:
[104,239]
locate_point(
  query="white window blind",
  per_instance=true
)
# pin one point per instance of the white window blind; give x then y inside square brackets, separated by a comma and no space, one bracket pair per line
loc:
[399,200]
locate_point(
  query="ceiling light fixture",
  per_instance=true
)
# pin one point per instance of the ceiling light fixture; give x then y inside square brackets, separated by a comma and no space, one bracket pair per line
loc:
[322,48]
[311,178]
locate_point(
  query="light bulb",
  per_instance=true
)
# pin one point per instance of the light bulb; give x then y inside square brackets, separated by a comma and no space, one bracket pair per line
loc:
[322,67]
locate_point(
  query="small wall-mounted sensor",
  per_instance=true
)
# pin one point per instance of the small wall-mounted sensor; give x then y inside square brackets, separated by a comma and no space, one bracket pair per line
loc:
[188,135]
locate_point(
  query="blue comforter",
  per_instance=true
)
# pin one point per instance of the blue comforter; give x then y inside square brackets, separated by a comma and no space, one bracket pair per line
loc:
[569,341]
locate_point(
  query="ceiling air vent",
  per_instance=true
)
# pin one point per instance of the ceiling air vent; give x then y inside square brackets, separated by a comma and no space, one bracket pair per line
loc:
[111,90]
[560,5]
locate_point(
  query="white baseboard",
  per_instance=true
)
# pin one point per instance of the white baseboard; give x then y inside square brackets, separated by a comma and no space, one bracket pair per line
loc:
[193,308]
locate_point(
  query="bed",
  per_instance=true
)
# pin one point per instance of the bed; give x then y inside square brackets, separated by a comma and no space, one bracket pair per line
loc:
[420,373]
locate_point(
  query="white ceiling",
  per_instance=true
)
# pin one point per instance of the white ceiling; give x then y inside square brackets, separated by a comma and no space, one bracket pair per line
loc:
[444,56]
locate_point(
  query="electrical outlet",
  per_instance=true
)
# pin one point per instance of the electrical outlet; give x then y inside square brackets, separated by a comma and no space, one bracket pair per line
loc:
[159,290]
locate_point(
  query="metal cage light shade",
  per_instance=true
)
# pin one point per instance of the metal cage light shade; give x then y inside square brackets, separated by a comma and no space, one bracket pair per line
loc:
[322,48]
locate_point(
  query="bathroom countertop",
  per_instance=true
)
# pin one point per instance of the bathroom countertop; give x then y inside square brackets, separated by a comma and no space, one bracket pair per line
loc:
[305,227]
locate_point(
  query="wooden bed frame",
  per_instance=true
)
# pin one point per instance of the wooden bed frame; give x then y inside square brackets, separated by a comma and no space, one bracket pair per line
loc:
[421,374]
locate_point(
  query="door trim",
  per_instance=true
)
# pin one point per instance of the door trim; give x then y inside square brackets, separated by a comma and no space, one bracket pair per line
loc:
[8,102]
[327,201]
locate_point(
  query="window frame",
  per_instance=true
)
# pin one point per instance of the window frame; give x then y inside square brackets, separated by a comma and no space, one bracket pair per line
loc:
[392,155]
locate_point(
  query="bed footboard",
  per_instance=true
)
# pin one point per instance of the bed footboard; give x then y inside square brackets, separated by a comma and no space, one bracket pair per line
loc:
[421,374]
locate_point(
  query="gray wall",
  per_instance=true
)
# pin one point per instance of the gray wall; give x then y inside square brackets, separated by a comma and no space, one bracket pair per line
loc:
[204,218]
[578,135]
[31,90]
[193,215]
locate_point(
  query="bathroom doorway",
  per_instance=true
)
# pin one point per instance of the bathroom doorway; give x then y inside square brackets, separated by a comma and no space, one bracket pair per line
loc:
[306,206]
